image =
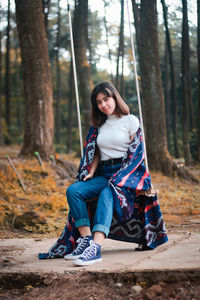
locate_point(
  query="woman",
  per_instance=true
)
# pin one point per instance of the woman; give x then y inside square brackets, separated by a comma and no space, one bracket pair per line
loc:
[111,171]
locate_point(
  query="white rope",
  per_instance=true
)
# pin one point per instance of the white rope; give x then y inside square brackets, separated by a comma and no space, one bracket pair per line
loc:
[75,78]
[137,87]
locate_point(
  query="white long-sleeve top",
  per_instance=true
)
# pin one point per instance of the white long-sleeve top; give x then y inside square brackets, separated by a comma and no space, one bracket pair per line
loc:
[115,136]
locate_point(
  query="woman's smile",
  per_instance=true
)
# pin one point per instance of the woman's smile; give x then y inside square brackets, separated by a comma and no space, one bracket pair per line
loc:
[106,104]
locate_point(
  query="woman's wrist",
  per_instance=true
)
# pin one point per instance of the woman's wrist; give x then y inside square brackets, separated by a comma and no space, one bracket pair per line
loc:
[91,172]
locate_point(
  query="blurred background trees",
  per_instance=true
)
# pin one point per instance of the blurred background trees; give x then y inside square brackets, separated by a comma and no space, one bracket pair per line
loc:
[102,48]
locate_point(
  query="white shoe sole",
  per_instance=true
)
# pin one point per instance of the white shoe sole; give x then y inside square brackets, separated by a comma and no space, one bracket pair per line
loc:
[79,262]
[71,257]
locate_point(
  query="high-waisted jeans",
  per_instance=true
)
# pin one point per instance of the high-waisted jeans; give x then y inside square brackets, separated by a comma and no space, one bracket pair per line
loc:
[96,187]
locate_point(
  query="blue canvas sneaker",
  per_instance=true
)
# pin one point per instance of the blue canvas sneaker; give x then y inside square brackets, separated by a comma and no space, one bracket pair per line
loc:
[91,255]
[83,243]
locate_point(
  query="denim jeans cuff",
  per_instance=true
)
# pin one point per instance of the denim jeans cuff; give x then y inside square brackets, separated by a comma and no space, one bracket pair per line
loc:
[101,228]
[82,222]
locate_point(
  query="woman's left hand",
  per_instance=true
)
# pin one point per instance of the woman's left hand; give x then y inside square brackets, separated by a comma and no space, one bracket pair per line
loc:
[89,176]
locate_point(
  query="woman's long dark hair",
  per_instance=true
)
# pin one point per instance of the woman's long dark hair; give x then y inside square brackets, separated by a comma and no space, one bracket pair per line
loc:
[107,88]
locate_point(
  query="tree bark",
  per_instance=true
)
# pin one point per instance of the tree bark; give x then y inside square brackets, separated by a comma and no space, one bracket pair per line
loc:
[173,81]
[7,74]
[119,82]
[185,65]
[107,40]
[152,93]
[70,111]
[39,123]
[46,8]
[83,67]
[1,133]
[58,83]
[198,55]
[122,50]
[18,84]
[167,95]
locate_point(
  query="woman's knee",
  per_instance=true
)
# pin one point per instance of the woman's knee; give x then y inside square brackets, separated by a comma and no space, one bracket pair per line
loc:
[71,192]
[107,190]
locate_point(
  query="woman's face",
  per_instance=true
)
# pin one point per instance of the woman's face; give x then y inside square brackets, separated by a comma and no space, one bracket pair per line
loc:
[105,104]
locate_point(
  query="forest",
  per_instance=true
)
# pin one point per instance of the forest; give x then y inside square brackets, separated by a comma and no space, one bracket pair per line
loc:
[36,70]
[52,54]
[38,108]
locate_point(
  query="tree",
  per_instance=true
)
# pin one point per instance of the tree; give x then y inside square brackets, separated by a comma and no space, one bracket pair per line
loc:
[152,93]
[107,41]
[18,82]
[46,8]
[145,17]
[83,68]
[70,110]
[198,55]
[58,83]
[173,81]
[119,82]
[7,73]
[39,124]
[186,93]
[1,133]
[166,86]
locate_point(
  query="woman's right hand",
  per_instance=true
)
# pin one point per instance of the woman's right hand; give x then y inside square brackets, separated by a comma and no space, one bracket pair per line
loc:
[89,176]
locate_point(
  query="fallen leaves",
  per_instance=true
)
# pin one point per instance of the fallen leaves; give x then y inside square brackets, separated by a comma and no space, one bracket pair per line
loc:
[45,195]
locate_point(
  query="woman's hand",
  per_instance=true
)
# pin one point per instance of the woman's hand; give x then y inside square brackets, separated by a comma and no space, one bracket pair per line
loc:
[94,165]
[89,176]
[132,136]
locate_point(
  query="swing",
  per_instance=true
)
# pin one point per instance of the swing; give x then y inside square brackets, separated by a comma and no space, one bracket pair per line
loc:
[150,192]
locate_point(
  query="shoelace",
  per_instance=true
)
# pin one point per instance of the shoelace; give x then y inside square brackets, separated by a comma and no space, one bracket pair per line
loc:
[90,251]
[81,244]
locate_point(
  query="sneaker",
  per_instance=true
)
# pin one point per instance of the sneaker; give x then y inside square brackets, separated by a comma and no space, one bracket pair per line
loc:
[83,243]
[91,255]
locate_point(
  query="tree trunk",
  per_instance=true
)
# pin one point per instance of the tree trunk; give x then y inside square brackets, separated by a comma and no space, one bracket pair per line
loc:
[83,68]
[139,43]
[70,110]
[7,73]
[120,55]
[152,93]
[173,81]
[167,95]
[107,40]
[1,133]
[117,69]
[58,83]
[39,124]
[191,104]
[185,84]
[198,55]
[17,84]
[122,50]
[46,8]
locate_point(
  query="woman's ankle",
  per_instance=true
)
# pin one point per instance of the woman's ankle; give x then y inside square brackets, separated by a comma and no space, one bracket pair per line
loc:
[99,237]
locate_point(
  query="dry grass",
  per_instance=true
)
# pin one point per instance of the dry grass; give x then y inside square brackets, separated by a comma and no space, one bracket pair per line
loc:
[45,195]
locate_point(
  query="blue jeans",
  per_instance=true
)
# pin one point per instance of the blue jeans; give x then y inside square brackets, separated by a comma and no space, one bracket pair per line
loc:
[96,187]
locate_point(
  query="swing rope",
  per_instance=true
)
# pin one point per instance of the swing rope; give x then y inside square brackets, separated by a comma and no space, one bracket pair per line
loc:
[137,87]
[75,79]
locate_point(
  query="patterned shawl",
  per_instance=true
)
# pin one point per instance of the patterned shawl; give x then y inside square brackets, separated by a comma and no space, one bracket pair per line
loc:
[137,217]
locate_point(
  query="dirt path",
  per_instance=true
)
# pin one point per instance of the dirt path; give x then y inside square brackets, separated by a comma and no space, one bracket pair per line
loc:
[171,271]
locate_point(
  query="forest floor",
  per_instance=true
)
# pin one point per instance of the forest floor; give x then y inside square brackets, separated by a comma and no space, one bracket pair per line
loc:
[41,211]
